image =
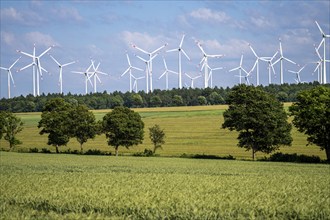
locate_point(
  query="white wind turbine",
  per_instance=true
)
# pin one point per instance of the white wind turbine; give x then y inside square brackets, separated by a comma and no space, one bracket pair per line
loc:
[324,36]
[135,84]
[151,55]
[281,62]
[205,64]
[192,79]
[270,66]
[180,51]
[129,69]
[257,62]
[35,64]
[87,74]
[297,73]
[211,74]
[9,75]
[240,68]
[166,73]
[61,69]
[95,73]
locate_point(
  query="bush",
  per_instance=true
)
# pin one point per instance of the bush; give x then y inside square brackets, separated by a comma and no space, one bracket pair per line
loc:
[33,150]
[205,156]
[45,150]
[96,152]
[146,153]
[69,151]
[280,157]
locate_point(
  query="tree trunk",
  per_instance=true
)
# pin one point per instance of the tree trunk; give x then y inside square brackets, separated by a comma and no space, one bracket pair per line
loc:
[253,153]
[57,149]
[116,149]
[81,149]
[327,152]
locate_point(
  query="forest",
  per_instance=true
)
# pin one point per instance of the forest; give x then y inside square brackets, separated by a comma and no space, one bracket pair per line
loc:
[158,98]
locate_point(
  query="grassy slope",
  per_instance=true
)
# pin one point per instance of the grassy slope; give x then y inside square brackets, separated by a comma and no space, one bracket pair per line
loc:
[190,130]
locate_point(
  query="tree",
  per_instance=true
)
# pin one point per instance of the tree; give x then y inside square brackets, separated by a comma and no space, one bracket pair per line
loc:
[259,118]
[10,126]
[123,127]
[83,125]
[54,121]
[155,101]
[177,100]
[201,100]
[157,136]
[312,116]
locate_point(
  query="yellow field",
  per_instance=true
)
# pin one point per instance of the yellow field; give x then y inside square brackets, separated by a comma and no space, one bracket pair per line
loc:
[190,130]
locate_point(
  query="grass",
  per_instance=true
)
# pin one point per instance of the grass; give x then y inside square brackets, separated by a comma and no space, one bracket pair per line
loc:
[189,130]
[50,186]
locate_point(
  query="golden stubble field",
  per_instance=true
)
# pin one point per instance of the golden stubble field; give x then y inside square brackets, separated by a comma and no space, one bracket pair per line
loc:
[189,130]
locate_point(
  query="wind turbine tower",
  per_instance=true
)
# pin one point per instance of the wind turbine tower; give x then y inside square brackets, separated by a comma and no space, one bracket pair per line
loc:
[180,51]
[324,36]
[9,75]
[129,69]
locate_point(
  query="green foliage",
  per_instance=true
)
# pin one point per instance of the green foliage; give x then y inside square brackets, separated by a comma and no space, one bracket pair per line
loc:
[259,118]
[123,127]
[312,116]
[10,126]
[82,124]
[201,100]
[280,157]
[215,99]
[54,122]
[177,100]
[41,186]
[157,136]
[155,101]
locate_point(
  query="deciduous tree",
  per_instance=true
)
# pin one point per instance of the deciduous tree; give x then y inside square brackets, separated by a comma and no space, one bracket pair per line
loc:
[259,118]
[157,136]
[10,126]
[123,127]
[312,116]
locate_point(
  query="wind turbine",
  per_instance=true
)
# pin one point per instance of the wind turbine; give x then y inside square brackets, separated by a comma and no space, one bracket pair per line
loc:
[240,68]
[151,55]
[281,62]
[61,69]
[257,62]
[297,79]
[211,73]
[324,36]
[95,73]
[86,73]
[166,73]
[35,63]
[180,51]
[9,75]
[270,66]
[135,84]
[205,64]
[129,69]
[192,79]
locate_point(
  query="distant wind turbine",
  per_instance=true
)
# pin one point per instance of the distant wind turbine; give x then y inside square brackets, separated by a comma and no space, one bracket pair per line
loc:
[324,36]
[95,73]
[129,69]
[192,79]
[166,73]
[297,73]
[9,75]
[135,84]
[87,75]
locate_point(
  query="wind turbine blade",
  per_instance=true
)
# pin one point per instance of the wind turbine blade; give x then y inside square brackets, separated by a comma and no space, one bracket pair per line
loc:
[173,50]
[4,68]
[241,62]
[184,52]
[159,49]
[322,41]
[27,66]
[171,71]
[253,51]
[45,52]
[200,47]
[289,60]
[273,69]
[126,71]
[99,72]
[55,60]
[320,28]
[163,74]
[26,54]
[188,76]
[98,78]
[164,63]
[78,72]
[138,48]
[277,61]
[182,41]
[129,62]
[274,56]
[136,68]
[291,71]
[236,68]
[141,59]
[14,63]
[11,77]
[67,64]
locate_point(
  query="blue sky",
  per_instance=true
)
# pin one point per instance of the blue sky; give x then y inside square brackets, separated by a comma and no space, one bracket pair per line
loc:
[104,30]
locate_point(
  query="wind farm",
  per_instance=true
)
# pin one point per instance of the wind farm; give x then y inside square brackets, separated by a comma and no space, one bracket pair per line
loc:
[167,56]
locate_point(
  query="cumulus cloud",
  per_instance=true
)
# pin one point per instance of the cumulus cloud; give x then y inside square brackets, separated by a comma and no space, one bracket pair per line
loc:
[143,40]
[40,39]
[7,37]
[11,15]
[68,14]
[260,22]
[207,14]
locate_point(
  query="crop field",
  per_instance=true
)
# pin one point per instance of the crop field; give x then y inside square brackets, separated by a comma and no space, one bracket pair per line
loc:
[50,186]
[189,130]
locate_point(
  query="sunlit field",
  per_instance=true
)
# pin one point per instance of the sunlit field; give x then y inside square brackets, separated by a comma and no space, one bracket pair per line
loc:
[60,186]
[189,130]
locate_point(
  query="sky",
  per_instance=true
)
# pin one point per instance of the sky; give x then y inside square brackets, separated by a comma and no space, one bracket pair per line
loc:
[104,31]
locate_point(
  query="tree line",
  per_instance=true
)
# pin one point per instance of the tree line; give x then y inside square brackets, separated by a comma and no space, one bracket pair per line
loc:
[158,98]
[259,118]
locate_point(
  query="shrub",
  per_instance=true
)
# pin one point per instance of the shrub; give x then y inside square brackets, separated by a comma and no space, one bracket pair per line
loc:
[45,150]
[145,153]
[205,156]
[33,150]
[280,157]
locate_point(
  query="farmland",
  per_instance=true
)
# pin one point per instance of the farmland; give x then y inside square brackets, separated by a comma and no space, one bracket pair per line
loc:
[189,130]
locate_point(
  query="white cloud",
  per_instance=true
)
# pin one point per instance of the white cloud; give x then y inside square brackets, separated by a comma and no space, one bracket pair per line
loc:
[26,17]
[260,22]
[68,14]
[7,37]
[11,14]
[40,39]
[143,40]
[207,14]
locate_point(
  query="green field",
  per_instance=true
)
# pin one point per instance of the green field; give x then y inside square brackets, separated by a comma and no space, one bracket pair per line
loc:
[189,130]
[50,186]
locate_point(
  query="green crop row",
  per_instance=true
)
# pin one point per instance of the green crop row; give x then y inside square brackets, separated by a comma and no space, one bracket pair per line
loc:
[40,186]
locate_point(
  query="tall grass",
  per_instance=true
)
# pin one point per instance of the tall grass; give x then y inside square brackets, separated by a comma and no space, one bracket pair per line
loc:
[43,186]
[189,130]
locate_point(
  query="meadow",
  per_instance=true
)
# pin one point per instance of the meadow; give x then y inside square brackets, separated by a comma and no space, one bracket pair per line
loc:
[60,186]
[189,130]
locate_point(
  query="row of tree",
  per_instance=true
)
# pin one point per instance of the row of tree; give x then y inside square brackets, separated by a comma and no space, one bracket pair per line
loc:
[158,98]
[258,116]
